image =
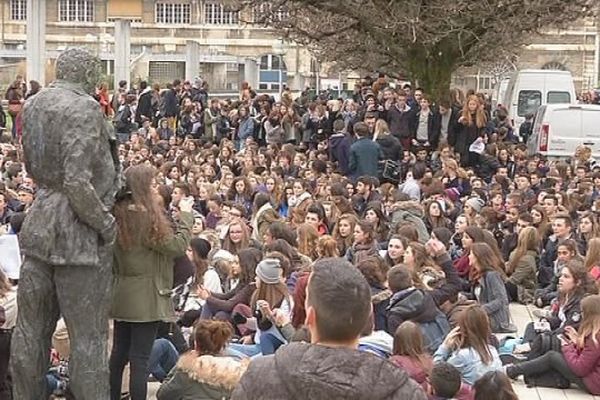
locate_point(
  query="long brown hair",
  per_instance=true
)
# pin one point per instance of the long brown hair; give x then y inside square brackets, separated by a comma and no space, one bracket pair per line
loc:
[475,332]
[529,240]
[345,242]
[590,324]
[487,260]
[307,240]
[139,215]
[592,257]
[274,294]
[408,341]
[235,248]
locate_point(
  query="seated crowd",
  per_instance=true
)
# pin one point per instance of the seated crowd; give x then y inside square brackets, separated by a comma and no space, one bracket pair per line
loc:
[373,255]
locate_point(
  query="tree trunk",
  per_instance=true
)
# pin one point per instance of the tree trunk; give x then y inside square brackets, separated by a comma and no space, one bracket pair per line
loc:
[432,73]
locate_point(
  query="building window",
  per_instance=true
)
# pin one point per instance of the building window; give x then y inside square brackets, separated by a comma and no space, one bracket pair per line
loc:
[217,14]
[18,10]
[173,13]
[272,70]
[76,10]
[264,13]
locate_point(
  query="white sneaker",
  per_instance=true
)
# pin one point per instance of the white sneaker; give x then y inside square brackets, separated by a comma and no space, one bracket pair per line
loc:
[541,313]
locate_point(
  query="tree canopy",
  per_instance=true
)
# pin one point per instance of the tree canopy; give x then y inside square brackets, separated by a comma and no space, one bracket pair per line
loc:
[424,40]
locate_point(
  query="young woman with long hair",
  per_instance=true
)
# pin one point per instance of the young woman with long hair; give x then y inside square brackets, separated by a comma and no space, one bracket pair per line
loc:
[374,215]
[145,250]
[307,240]
[237,236]
[434,216]
[579,359]
[298,203]
[494,385]
[241,192]
[327,247]
[395,251]
[471,125]
[540,222]
[488,286]
[592,259]
[425,273]
[466,346]
[270,298]
[343,231]
[471,234]
[410,354]
[522,266]
[220,306]
[205,372]
[588,227]
[364,245]
[455,177]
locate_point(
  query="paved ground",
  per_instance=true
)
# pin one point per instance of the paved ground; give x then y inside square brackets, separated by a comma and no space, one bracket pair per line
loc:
[521,316]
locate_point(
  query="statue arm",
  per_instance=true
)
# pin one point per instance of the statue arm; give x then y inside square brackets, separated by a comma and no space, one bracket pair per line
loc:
[80,142]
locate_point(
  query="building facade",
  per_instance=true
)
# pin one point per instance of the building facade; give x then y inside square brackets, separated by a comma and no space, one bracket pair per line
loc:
[230,47]
[576,49]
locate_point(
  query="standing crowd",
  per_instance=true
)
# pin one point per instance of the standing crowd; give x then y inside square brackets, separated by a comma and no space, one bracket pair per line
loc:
[316,247]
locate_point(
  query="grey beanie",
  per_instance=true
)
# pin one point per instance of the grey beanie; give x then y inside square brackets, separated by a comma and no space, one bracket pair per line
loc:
[476,204]
[269,271]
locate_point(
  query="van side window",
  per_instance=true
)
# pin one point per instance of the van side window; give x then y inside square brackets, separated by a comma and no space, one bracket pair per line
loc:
[529,102]
[558,97]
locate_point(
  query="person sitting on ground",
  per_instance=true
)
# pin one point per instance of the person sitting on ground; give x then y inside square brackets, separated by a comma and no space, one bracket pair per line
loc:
[329,367]
[444,382]
[204,373]
[409,303]
[494,385]
[466,346]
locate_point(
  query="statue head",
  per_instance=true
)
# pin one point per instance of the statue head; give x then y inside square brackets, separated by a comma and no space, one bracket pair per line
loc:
[78,66]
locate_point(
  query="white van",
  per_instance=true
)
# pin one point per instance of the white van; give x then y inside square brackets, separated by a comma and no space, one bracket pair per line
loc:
[529,89]
[559,128]
[499,93]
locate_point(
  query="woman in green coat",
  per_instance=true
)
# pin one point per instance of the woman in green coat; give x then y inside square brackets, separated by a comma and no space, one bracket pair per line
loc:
[147,244]
[204,373]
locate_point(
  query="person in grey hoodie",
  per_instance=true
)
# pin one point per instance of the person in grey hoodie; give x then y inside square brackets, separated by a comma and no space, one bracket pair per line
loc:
[330,367]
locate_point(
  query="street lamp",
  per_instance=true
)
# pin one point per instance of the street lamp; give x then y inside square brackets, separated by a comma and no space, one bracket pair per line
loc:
[279,51]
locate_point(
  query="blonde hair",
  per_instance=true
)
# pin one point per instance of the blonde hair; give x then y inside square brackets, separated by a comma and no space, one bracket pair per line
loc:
[381,129]
[590,325]
[480,118]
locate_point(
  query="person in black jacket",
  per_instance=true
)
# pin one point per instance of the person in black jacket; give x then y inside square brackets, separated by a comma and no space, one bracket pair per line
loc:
[424,129]
[398,118]
[144,106]
[447,119]
[339,147]
[391,148]
[169,104]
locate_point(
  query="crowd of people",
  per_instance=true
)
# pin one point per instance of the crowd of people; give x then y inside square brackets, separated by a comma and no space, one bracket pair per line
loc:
[316,247]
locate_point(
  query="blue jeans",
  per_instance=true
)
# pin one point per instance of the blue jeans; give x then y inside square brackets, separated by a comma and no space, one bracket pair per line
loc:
[270,341]
[163,358]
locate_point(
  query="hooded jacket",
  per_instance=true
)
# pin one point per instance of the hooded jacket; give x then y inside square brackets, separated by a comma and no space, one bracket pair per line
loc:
[391,148]
[419,307]
[301,371]
[410,212]
[201,378]
[339,148]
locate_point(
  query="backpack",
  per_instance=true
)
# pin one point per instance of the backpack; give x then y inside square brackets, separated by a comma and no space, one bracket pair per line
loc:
[543,343]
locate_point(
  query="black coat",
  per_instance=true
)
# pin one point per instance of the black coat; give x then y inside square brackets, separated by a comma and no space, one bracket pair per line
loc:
[433,128]
[399,121]
[169,104]
[339,150]
[145,107]
[391,148]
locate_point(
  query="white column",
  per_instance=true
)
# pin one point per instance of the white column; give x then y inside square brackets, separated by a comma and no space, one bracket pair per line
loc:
[36,41]
[192,60]
[122,51]
[251,73]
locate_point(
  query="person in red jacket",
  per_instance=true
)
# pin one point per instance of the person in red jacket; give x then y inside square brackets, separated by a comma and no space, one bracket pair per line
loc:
[579,360]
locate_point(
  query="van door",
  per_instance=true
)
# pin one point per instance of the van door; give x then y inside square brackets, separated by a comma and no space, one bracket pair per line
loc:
[563,131]
[590,129]
[533,146]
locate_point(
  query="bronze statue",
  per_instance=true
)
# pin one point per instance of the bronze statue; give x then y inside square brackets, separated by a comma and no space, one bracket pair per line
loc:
[68,234]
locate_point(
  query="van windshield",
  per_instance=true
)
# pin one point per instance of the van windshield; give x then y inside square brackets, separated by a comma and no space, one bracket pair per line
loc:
[558,97]
[529,102]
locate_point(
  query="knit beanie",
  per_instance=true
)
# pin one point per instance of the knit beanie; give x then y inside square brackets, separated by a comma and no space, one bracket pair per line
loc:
[201,247]
[269,270]
[476,204]
[223,255]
